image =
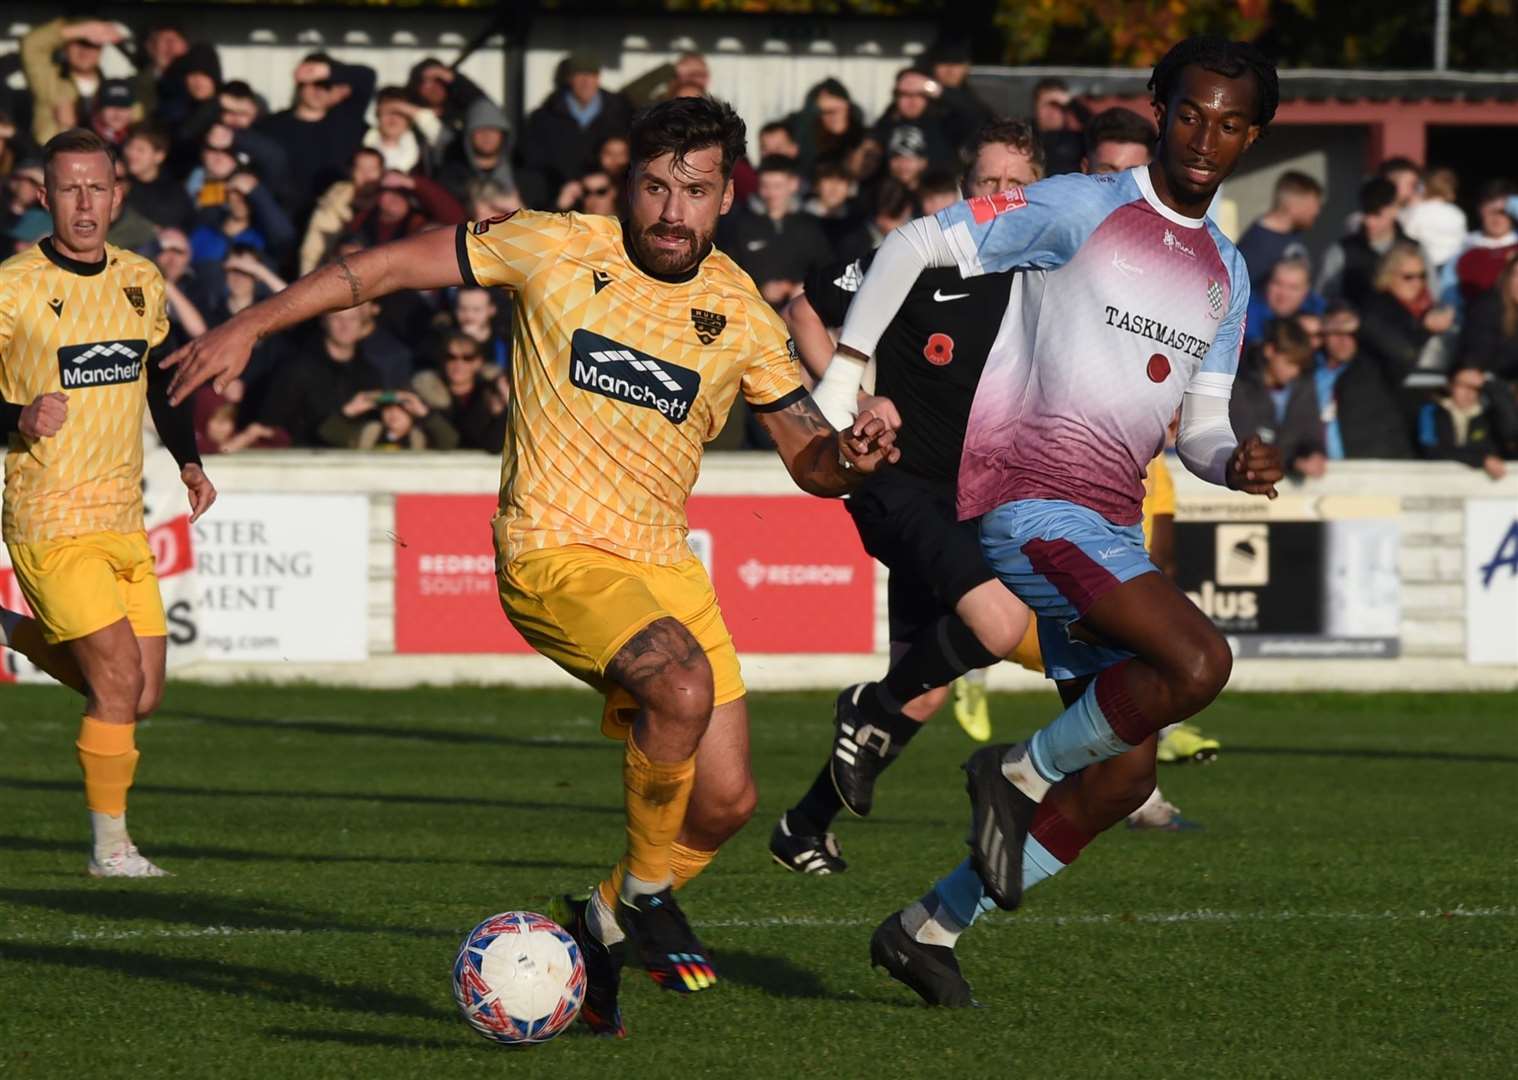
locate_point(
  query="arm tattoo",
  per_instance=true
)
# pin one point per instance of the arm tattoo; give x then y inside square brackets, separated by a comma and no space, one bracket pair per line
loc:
[355,283]
[809,446]
[809,415]
[663,647]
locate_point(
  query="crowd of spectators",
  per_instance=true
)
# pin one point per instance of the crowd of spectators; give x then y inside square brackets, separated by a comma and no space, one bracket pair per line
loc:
[1402,340]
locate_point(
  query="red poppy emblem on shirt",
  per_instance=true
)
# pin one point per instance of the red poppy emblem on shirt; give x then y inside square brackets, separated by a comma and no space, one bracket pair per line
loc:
[1159,368]
[985,207]
[939,350]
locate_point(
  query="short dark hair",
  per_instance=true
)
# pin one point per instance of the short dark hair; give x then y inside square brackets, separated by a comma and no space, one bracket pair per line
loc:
[777,125]
[681,126]
[777,163]
[361,151]
[391,93]
[893,199]
[1493,190]
[1292,182]
[938,181]
[149,133]
[1376,194]
[1002,131]
[75,141]
[452,338]
[1049,82]
[1288,335]
[239,89]
[1398,164]
[831,166]
[1231,59]
[1120,125]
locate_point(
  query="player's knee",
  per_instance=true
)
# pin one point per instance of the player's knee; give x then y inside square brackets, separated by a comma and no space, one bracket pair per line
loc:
[684,696]
[119,685]
[712,820]
[923,706]
[1202,677]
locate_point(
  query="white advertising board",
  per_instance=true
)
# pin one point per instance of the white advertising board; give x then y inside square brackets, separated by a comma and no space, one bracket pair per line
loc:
[1491,581]
[284,577]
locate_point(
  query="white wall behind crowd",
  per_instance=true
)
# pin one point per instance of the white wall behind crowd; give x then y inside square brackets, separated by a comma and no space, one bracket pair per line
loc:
[763,67]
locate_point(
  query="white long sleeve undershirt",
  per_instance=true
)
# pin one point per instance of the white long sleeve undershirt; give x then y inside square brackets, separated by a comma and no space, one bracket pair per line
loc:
[1206,440]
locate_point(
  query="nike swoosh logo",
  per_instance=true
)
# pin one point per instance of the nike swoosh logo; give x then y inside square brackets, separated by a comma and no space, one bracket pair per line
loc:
[941,296]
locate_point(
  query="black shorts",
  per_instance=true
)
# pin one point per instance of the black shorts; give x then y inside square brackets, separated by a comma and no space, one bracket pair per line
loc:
[909,524]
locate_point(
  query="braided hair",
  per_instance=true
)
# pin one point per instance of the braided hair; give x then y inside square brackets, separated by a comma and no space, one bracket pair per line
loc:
[1231,59]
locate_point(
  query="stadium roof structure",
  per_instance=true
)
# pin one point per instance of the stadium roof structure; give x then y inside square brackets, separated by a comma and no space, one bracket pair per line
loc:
[1397,106]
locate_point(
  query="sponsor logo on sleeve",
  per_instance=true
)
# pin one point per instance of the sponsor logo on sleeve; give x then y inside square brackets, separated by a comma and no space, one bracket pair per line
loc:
[100,363]
[611,369]
[480,228]
[985,207]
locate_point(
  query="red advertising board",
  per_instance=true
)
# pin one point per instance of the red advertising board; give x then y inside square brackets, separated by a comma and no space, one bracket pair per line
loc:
[789,571]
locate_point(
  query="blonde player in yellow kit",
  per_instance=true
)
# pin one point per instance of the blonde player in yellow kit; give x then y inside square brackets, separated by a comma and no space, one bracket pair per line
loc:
[632,340]
[78,319]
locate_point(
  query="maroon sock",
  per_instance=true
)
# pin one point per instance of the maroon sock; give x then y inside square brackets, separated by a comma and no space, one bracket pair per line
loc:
[1057,833]
[1117,705]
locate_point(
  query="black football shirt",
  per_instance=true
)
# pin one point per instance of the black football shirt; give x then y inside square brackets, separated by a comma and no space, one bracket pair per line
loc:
[930,357]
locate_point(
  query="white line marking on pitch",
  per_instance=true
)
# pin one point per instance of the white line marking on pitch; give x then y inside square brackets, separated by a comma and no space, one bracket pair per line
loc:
[1203,915]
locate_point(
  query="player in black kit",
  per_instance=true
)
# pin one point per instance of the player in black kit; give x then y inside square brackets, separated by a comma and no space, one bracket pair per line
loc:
[948,612]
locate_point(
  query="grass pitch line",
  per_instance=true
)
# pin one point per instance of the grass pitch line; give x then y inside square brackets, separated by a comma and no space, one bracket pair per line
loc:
[1163,918]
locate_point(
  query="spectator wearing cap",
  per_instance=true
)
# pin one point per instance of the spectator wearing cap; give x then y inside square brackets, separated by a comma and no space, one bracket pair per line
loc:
[337,206]
[948,63]
[250,216]
[1287,294]
[447,94]
[404,206]
[1357,405]
[116,110]
[914,123]
[906,156]
[481,152]
[563,132]
[320,131]
[61,59]
[1277,234]
[403,131]
[154,194]
[1273,399]
[1492,246]
[471,395]
[778,245]
[1463,425]
[1350,265]
[829,126]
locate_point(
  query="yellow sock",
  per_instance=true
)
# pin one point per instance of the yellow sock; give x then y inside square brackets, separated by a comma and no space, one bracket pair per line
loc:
[657,794]
[685,863]
[108,756]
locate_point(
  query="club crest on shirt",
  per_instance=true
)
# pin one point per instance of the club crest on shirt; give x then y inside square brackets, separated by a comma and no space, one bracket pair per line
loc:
[985,207]
[135,298]
[708,324]
[1215,297]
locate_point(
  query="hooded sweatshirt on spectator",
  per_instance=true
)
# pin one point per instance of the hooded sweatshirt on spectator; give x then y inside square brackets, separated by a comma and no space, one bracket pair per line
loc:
[463,166]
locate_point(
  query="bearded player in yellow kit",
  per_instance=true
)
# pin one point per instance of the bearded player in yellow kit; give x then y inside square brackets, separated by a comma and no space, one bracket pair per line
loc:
[632,340]
[78,318]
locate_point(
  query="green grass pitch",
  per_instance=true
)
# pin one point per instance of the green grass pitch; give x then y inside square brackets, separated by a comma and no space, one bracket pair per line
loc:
[1350,909]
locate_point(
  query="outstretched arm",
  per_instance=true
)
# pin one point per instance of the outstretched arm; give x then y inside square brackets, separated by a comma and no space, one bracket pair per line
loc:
[821,460]
[428,260]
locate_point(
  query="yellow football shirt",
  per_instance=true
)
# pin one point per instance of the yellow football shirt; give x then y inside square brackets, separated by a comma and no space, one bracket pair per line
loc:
[85,330]
[618,380]
[1159,494]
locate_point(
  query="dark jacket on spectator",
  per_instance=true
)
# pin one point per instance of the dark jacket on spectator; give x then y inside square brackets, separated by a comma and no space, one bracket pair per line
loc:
[462,92]
[163,202]
[1484,344]
[1391,337]
[558,149]
[784,250]
[1356,283]
[1298,431]
[1370,418]
[310,387]
[461,165]
[319,150]
[471,416]
[1448,433]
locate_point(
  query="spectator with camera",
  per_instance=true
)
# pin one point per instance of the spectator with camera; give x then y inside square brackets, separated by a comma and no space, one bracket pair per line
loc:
[389,420]
[1274,400]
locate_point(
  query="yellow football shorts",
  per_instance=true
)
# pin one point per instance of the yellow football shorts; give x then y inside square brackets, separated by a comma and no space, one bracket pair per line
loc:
[80,584]
[1028,653]
[578,606]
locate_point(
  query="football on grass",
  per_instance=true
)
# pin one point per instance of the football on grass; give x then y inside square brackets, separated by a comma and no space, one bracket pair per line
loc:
[519,978]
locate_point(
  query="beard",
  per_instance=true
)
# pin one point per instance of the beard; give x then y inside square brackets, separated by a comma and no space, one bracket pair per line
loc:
[671,261]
